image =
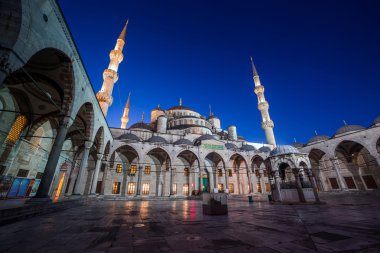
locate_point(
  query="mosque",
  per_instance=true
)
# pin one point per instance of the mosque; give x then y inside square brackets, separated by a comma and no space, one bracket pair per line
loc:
[55,141]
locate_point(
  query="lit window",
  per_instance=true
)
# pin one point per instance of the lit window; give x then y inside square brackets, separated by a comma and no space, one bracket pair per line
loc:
[257,173]
[186,172]
[131,188]
[220,173]
[119,168]
[17,128]
[133,170]
[22,173]
[116,188]
[185,189]
[267,187]
[258,187]
[174,190]
[230,173]
[147,170]
[220,187]
[145,189]
[231,187]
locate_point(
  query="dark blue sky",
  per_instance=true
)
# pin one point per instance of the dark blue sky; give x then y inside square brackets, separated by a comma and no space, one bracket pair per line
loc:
[318,60]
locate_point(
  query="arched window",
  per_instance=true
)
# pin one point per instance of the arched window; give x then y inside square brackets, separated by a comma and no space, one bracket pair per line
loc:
[17,128]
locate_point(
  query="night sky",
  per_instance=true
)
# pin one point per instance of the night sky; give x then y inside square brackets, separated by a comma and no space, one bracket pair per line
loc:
[318,60]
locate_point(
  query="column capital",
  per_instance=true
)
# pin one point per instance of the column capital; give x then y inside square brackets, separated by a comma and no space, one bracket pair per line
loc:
[99,156]
[66,121]
[87,144]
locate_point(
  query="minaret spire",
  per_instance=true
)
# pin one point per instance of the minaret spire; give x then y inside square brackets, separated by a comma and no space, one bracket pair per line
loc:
[263,106]
[125,118]
[209,107]
[180,101]
[142,117]
[110,75]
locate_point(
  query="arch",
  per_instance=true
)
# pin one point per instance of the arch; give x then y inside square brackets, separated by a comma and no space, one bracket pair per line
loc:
[84,121]
[107,150]
[190,172]
[99,139]
[257,162]
[358,167]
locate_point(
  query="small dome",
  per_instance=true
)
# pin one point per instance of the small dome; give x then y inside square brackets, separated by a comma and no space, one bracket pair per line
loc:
[128,136]
[264,149]
[230,146]
[156,139]
[141,125]
[183,142]
[348,129]
[284,149]
[318,138]
[247,147]
[377,121]
[297,144]
[203,138]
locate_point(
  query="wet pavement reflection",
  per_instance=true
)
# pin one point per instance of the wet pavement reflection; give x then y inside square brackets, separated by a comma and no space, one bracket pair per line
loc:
[346,222]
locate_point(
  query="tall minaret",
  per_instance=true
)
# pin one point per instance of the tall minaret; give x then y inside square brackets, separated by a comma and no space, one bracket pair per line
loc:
[263,106]
[125,118]
[110,75]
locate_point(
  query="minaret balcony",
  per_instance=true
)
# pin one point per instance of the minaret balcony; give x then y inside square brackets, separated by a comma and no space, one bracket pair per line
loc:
[111,74]
[104,97]
[267,124]
[259,89]
[116,54]
[263,106]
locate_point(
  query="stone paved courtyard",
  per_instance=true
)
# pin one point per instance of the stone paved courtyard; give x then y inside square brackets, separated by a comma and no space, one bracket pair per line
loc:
[346,223]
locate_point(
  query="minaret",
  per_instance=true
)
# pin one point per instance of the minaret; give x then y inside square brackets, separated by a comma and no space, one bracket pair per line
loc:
[125,118]
[110,75]
[263,106]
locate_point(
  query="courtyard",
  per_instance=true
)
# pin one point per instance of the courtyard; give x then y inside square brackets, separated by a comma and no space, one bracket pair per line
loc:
[344,223]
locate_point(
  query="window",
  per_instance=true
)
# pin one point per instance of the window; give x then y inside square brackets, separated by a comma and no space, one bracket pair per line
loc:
[185,189]
[116,188]
[258,187]
[350,182]
[186,172]
[370,182]
[17,128]
[220,173]
[102,167]
[145,189]
[267,187]
[265,173]
[22,173]
[229,172]
[119,168]
[334,183]
[147,170]
[133,170]
[131,188]
[174,189]
[257,172]
[231,188]
[220,187]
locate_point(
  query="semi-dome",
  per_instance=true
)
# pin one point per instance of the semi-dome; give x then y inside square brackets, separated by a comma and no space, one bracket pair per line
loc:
[283,150]
[183,142]
[247,147]
[156,139]
[297,144]
[348,129]
[141,125]
[317,138]
[230,146]
[128,136]
[264,149]
[204,137]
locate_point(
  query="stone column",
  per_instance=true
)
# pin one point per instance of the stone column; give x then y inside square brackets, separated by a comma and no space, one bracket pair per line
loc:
[171,182]
[226,176]
[277,184]
[51,165]
[83,166]
[299,185]
[139,179]
[340,178]
[106,169]
[313,184]
[124,180]
[249,182]
[201,180]
[96,174]
[238,178]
